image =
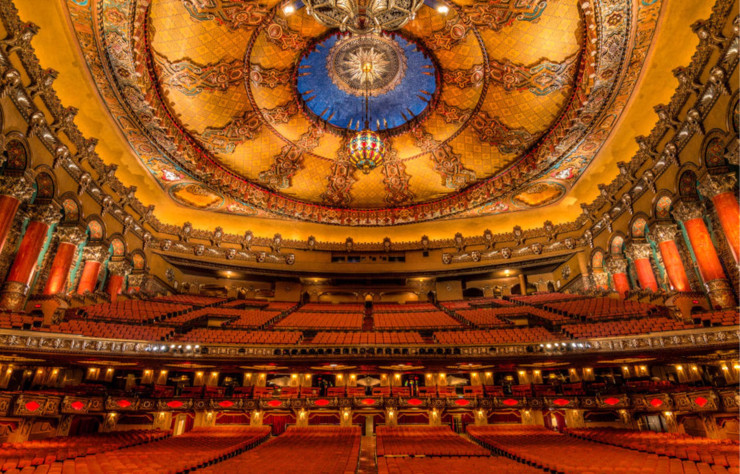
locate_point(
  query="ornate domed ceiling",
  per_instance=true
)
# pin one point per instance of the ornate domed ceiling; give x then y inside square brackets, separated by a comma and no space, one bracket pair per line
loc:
[239,107]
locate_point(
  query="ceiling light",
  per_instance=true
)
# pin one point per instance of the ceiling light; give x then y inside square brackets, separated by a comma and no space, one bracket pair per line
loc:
[288,9]
[443,9]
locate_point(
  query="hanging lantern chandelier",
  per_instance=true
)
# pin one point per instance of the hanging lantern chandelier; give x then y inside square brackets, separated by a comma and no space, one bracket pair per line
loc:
[366,148]
[363,16]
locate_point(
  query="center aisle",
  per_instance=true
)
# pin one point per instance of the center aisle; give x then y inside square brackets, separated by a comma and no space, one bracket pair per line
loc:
[368,463]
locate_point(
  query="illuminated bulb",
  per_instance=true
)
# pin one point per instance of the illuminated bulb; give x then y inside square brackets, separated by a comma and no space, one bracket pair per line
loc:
[288,9]
[679,367]
[443,9]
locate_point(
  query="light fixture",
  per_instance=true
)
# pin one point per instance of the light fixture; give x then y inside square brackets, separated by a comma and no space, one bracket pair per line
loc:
[288,9]
[363,16]
[443,9]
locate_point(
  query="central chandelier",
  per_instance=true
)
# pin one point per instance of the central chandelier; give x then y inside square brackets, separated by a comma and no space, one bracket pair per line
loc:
[363,16]
[366,148]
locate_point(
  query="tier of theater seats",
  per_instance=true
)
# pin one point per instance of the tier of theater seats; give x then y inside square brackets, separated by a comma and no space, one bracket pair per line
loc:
[18,321]
[452,465]
[111,330]
[717,318]
[492,317]
[332,450]
[355,338]
[424,441]
[567,454]
[721,452]
[183,453]
[133,310]
[193,300]
[47,451]
[333,308]
[245,318]
[626,327]
[542,298]
[307,320]
[603,308]
[403,308]
[494,336]
[420,320]
[235,336]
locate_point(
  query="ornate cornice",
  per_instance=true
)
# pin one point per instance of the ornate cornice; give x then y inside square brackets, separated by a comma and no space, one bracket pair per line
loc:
[712,185]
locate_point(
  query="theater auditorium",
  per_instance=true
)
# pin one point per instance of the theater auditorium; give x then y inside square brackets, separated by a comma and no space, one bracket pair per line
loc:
[369,236]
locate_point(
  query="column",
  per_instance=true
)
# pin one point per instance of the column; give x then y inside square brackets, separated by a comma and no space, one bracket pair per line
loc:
[601,279]
[583,267]
[617,266]
[640,254]
[721,189]
[118,272]
[16,287]
[710,268]
[523,283]
[665,235]
[94,256]
[69,239]
[13,191]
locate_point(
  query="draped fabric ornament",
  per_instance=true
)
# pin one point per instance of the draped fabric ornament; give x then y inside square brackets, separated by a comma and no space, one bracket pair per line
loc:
[363,16]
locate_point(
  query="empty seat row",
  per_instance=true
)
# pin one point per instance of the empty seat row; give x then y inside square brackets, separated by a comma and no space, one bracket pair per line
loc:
[133,310]
[424,441]
[625,327]
[430,320]
[354,338]
[111,330]
[317,449]
[452,465]
[195,300]
[235,336]
[302,320]
[494,336]
[603,308]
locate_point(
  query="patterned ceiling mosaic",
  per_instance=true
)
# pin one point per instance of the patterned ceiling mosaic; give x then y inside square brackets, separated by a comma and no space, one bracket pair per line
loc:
[494,107]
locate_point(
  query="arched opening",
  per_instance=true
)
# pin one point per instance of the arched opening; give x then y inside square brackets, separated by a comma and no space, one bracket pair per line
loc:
[550,287]
[472,293]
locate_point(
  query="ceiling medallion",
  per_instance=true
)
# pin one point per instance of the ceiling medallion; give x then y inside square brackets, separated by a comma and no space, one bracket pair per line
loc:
[371,64]
[363,16]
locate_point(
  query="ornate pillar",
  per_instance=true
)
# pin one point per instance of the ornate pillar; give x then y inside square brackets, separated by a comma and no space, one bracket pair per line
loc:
[13,192]
[640,254]
[618,268]
[583,267]
[710,268]
[94,256]
[665,235]
[721,189]
[69,239]
[118,272]
[601,279]
[16,287]
[523,283]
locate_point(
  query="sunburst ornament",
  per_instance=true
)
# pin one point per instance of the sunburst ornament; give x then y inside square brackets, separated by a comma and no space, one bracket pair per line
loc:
[366,65]
[366,150]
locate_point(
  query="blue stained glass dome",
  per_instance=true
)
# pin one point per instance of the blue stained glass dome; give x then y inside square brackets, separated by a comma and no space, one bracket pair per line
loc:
[404,81]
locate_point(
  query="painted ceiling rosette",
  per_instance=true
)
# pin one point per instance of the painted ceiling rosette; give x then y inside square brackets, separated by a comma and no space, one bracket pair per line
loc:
[238,107]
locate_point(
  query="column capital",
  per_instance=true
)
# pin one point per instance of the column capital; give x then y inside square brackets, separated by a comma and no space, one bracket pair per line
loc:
[20,188]
[616,265]
[685,211]
[120,268]
[97,253]
[638,250]
[664,232]
[71,234]
[49,213]
[712,185]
